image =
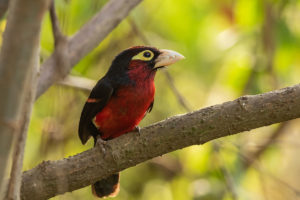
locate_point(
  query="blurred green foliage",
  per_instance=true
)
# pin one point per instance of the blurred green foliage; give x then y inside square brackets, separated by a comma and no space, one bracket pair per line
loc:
[232,47]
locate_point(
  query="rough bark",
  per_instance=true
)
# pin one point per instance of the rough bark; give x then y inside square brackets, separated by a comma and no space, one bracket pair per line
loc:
[18,55]
[86,39]
[51,178]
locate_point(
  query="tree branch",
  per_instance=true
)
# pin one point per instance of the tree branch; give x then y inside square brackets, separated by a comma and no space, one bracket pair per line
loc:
[248,112]
[180,98]
[80,83]
[85,40]
[14,185]
[57,34]
[18,55]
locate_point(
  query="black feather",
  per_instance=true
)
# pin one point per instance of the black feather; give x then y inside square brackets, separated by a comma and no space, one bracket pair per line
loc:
[102,92]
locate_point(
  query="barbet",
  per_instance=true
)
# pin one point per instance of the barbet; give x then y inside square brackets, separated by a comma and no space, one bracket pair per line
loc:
[121,99]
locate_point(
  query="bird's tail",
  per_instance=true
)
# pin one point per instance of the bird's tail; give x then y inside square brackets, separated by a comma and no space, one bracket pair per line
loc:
[108,187]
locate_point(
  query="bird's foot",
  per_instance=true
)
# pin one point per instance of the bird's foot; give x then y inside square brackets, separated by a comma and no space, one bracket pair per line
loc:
[101,143]
[137,129]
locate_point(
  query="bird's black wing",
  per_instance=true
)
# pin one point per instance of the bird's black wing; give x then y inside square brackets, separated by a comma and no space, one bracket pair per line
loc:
[98,98]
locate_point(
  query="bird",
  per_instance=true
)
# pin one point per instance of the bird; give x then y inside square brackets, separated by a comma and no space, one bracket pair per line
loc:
[120,100]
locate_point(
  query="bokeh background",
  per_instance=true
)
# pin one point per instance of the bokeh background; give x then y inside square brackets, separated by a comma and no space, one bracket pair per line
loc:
[232,48]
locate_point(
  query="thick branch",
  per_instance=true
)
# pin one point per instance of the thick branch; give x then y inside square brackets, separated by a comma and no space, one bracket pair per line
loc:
[14,185]
[85,40]
[57,177]
[18,55]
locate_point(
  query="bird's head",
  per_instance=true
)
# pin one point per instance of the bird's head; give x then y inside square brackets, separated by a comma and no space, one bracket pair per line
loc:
[142,62]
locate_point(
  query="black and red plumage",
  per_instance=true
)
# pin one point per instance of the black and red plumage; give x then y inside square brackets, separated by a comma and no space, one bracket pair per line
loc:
[121,99]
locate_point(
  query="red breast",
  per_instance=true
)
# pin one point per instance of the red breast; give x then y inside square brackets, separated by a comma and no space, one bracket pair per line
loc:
[128,105]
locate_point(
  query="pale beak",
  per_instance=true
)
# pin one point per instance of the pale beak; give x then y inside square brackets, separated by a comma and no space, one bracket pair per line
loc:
[167,57]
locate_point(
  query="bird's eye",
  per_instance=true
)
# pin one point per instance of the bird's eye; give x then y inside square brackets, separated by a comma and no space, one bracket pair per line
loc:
[146,55]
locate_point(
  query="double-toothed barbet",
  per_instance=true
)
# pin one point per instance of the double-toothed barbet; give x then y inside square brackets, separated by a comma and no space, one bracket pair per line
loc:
[121,99]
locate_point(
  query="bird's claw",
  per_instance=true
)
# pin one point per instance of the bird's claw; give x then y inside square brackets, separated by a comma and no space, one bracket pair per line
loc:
[101,143]
[137,129]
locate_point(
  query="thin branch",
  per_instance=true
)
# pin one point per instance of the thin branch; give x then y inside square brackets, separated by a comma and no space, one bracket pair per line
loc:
[18,55]
[199,127]
[57,34]
[77,82]
[180,98]
[85,40]
[266,36]
[61,53]
[249,83]
[268,40]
